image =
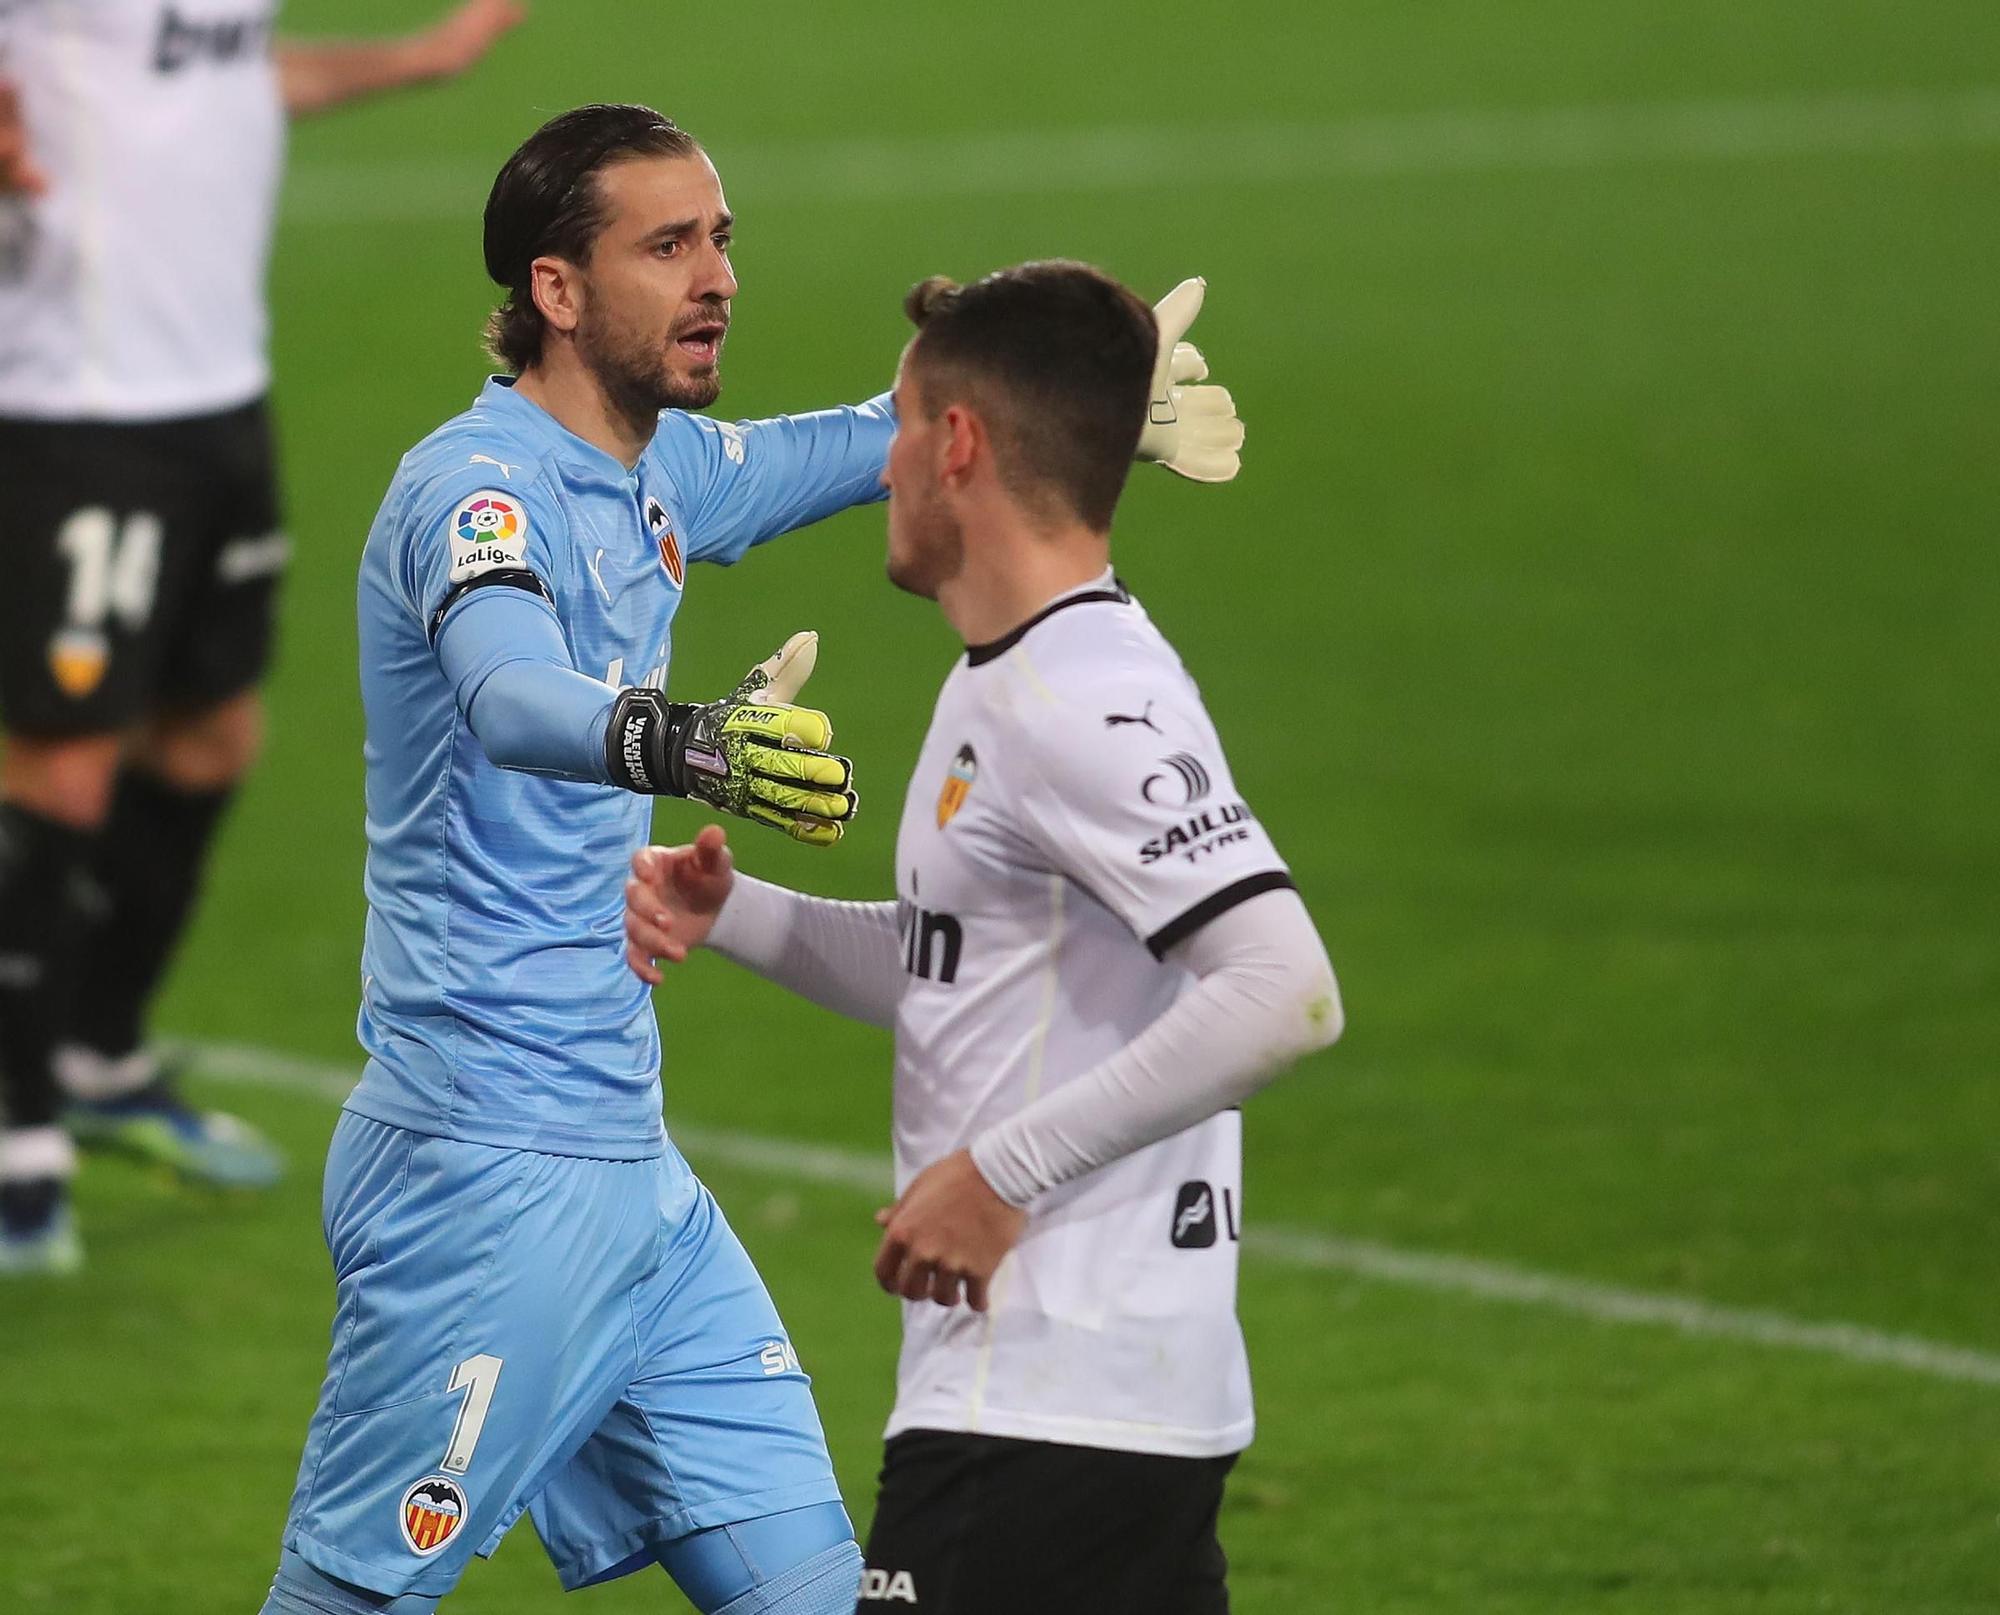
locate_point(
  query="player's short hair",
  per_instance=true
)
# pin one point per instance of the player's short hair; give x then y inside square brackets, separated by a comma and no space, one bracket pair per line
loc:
[1057,357]
[546,202]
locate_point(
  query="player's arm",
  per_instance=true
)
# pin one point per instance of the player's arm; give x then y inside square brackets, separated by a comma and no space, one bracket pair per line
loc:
[842,956]
[748,481]
[475,564]
[20,174]
[319,74]
[753,480]
[752,753]
[1263,995]
[520,694]
[1147,819]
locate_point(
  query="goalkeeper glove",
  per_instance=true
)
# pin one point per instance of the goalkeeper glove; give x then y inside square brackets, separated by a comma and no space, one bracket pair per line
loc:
[752,753]
[1192,430]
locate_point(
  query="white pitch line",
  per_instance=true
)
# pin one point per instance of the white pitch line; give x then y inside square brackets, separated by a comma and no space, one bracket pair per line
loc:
[1494,1281]
[1137,157]
[1286,1247]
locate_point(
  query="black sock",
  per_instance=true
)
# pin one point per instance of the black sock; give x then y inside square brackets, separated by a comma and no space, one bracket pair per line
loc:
[41,862]
[147,868]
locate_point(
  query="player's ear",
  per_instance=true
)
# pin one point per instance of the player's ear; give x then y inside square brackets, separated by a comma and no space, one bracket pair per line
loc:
[960,444]
[558,292]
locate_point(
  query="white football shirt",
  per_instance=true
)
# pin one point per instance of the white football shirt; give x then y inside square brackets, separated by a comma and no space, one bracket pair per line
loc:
[134,289]
[1070,818]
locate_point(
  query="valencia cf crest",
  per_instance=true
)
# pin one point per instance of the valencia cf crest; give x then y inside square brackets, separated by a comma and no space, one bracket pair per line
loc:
[433,1510]
[78,658]
[957,785]
[670,547]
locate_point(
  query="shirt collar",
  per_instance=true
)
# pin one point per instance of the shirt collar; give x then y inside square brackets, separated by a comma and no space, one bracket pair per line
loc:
[1105,586]
[500,397]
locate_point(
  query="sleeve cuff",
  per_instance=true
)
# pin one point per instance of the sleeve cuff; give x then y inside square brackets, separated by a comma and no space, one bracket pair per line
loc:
[1005,1175]
[753,922]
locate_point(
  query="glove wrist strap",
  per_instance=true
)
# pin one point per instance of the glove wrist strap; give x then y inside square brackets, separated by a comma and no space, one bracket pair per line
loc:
[645,740]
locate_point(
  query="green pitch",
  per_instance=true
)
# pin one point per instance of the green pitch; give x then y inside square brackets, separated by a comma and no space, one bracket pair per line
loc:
[1599,624]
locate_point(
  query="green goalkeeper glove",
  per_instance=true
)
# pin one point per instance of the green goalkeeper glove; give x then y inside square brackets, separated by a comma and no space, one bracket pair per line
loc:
[752,753]
[1191,430]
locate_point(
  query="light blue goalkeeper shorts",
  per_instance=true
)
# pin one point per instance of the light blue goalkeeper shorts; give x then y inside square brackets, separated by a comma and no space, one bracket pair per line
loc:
[582,1340]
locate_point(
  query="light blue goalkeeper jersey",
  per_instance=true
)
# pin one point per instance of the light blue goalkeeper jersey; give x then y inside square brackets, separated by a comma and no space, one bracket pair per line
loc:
[496,1006]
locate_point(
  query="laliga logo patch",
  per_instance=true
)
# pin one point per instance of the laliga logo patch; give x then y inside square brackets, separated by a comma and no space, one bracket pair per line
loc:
[957,785]
[489,531]
[670,547]
[488,516]
[432,1512]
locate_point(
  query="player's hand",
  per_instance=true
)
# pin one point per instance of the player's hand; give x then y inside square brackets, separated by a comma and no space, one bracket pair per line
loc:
[946,1234]
[1190,429]
[20,174]
[672,900]
[756,755]
[752,753]
[458,40]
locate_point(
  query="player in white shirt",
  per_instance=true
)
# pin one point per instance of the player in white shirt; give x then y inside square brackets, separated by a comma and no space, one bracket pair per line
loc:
[141,143]
[1094,955]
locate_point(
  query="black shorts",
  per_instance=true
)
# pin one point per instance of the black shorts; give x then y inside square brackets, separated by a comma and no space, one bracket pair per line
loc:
[985,1525]
[141,565]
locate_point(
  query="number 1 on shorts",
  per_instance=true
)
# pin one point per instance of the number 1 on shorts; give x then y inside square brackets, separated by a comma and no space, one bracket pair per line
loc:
[476,1376]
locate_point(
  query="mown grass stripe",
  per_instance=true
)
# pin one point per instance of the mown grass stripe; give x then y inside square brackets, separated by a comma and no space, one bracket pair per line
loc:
[1041,162]
[1467,1276]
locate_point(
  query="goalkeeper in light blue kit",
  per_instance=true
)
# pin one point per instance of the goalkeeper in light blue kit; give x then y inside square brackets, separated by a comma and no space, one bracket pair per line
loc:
[538,1307]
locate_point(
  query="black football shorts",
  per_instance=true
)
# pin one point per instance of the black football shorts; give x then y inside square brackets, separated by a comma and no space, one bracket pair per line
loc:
[141,566]
[985,1525]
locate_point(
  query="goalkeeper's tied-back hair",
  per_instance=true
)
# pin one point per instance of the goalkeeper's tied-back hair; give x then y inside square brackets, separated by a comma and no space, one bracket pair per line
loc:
[546,202]
[1057,358]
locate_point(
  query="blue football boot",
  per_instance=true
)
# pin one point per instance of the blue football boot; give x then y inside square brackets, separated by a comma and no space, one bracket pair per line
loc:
[37,1228]
[152,1122]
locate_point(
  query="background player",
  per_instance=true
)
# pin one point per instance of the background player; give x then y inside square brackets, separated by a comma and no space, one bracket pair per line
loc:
[1095,954]
[140,150]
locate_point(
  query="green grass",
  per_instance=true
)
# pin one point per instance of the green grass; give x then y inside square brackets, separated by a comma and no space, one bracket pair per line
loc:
[1598,624]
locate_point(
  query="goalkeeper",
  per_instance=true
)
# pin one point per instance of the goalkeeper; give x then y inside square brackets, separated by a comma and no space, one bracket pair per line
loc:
[538,1307]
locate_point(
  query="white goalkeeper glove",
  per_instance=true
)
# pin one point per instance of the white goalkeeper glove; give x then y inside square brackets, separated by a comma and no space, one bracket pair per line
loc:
[1191,430]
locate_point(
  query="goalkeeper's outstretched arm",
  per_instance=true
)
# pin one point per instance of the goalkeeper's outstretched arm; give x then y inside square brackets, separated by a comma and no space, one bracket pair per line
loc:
[752,480]
[518,690]
[752,753]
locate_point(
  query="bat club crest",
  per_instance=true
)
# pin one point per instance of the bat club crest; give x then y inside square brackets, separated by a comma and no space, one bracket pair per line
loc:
[432,1512]
[957,785]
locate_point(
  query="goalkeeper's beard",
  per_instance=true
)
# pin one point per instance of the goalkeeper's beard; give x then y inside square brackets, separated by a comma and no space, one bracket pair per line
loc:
[632,369]
[926,544]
